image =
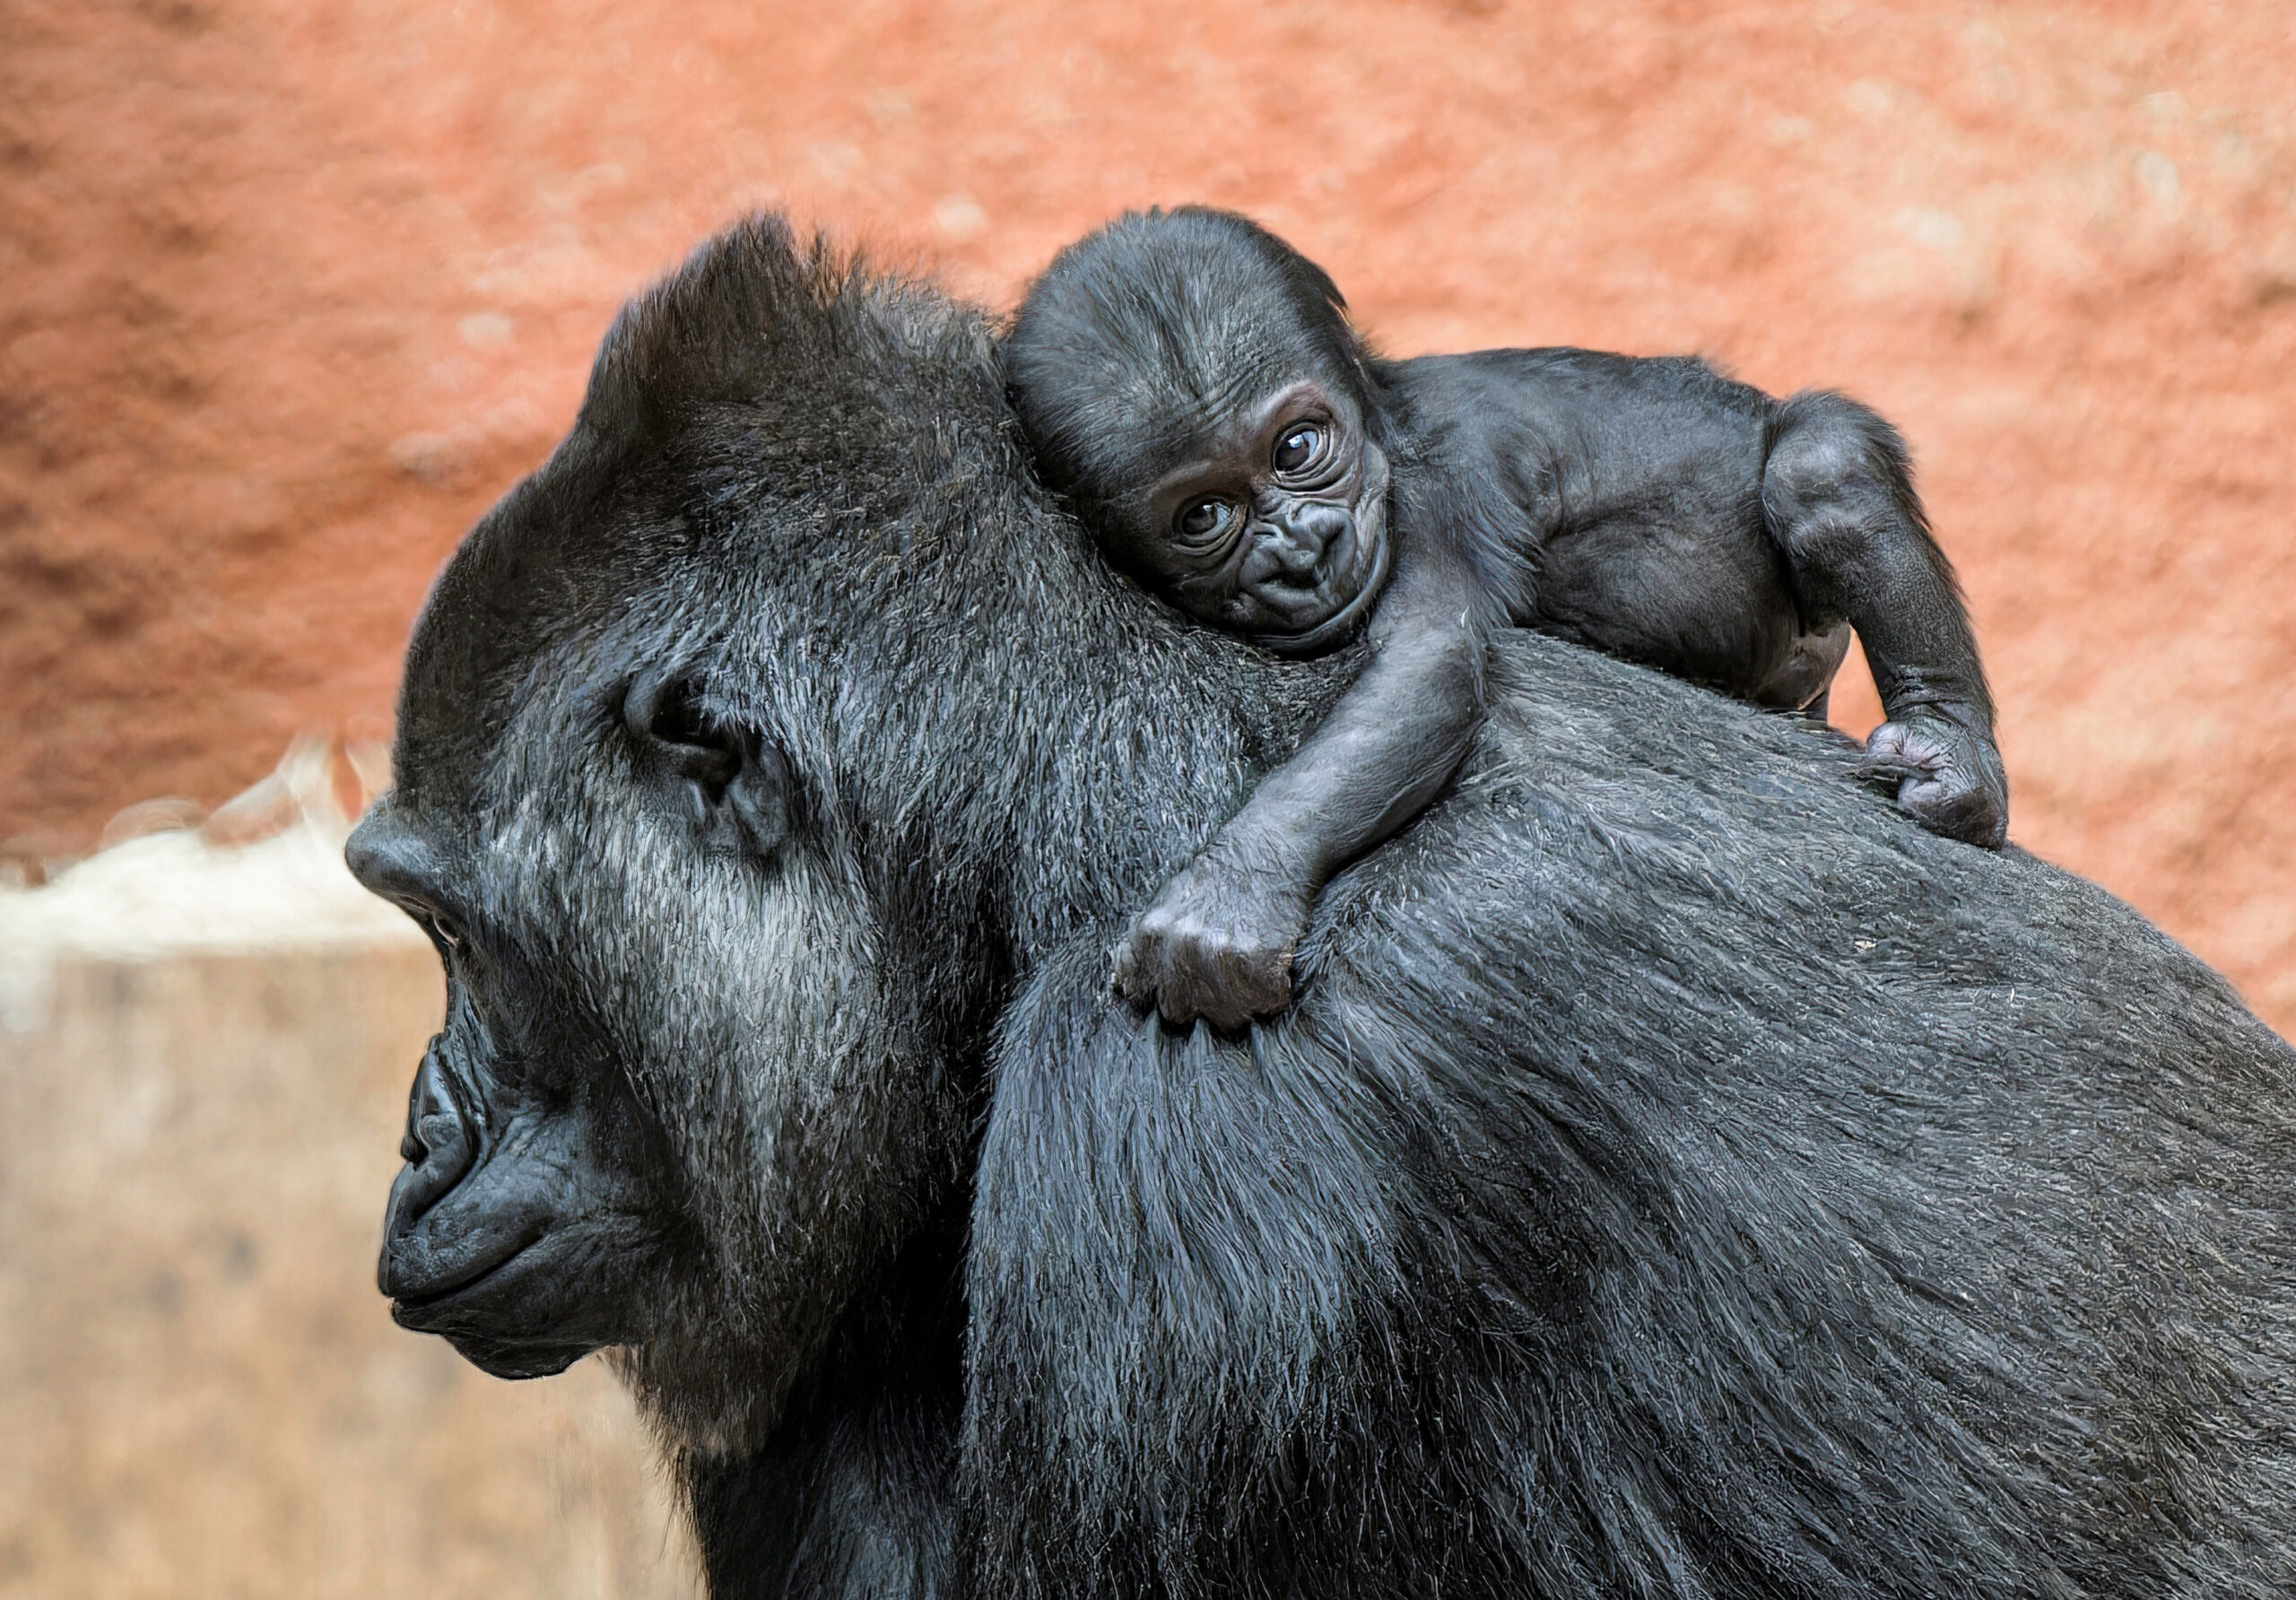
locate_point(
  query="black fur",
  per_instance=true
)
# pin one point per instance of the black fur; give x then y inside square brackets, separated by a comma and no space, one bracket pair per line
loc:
[1683,1175]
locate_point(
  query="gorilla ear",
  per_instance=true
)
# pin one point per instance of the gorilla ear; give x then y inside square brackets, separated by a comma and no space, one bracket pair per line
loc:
[732,784]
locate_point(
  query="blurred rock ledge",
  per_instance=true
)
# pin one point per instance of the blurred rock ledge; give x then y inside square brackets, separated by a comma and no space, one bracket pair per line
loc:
[204,1050]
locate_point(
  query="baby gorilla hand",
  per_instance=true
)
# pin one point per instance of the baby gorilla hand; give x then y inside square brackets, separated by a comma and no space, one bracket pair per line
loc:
[1953,781]
[1216,943]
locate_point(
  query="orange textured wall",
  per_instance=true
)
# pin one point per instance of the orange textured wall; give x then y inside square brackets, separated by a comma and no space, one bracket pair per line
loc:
[290,290]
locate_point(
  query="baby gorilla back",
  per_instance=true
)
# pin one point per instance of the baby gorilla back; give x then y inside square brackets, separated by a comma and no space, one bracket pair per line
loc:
[1663,514]
[1634,492]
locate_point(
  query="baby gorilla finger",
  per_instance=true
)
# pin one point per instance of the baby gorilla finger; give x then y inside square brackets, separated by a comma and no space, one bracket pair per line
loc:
[1955,805]
[1242,978]
[1195,979]
[1952,783]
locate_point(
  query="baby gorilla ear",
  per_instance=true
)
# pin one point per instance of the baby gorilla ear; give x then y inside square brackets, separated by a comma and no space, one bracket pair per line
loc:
[732,784]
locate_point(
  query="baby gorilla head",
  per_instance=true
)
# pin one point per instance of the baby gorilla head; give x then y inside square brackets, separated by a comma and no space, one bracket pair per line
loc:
[1191,382]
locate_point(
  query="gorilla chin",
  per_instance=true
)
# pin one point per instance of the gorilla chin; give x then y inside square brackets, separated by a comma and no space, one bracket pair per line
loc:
[533,1315]
[499,1360]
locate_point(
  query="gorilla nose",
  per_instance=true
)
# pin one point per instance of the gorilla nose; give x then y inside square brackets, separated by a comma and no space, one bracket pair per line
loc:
[439,1148]
[1298,536]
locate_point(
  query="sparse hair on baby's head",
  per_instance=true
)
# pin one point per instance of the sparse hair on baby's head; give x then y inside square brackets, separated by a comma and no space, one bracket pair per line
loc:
[1151,328]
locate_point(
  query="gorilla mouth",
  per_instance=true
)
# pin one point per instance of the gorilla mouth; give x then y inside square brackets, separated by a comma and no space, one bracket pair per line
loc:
[1335,629]
[421,1301]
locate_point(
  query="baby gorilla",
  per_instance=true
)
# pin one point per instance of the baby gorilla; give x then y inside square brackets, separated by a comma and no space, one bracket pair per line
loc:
[1192,383]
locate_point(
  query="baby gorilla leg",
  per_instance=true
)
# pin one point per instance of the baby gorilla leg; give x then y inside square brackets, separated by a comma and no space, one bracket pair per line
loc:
[1838,496]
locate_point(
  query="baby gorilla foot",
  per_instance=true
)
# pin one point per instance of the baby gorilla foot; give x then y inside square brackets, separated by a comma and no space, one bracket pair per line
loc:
[1216,943]
[1950,771]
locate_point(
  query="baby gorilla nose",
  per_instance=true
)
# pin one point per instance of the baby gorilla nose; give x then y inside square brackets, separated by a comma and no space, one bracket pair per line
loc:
[1295,539]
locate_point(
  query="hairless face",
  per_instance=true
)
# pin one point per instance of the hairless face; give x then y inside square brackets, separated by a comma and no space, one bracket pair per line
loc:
[1274,525]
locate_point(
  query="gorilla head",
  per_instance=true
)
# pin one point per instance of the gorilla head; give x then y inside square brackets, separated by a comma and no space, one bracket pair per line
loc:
[1191,384]
[695,1075]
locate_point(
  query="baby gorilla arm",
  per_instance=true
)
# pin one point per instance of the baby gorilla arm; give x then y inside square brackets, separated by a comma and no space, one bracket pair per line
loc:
[1217,943]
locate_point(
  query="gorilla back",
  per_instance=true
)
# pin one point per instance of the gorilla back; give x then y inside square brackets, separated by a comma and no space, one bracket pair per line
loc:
[1682,1175]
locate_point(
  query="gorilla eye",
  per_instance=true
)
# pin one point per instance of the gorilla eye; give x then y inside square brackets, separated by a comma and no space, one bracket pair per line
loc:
[1203,519]
[1298,447]
[677,719]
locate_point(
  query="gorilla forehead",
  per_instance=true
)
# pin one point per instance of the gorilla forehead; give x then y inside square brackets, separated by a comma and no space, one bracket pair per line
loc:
[1161,324]
[737,435]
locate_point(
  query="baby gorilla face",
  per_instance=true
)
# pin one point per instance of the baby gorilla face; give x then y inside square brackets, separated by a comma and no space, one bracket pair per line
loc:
[1274,526]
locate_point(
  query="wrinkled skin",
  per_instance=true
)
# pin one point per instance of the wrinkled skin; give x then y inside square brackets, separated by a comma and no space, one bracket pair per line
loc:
[1953,779]
[1274,526]
[505,1216]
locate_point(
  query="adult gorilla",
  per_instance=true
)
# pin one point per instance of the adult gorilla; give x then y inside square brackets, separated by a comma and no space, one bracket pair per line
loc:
[1682,1175]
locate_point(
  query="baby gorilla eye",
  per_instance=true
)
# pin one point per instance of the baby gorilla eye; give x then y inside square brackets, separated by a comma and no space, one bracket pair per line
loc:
[1203,519]
[1298,447]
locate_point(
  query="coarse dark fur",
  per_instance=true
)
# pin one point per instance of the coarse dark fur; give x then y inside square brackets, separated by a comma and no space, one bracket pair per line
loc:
[1682,1175]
